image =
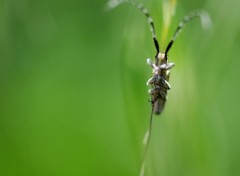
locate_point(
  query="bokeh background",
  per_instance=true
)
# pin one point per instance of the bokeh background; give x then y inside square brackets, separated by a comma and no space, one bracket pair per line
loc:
[73,98]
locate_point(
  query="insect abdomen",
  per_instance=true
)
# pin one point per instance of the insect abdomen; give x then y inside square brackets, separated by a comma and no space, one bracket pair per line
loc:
[159,106]
[163,87]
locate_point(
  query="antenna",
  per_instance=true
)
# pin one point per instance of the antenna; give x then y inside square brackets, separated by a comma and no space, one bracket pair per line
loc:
[205,21]
[114,3]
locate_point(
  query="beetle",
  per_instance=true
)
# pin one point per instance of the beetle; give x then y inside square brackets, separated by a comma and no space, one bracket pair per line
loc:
[159,82]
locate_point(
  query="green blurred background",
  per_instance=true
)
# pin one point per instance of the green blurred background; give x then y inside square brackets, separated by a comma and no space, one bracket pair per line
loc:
[73,98]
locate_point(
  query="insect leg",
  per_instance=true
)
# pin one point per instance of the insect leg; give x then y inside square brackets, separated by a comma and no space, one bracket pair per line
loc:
[167,66]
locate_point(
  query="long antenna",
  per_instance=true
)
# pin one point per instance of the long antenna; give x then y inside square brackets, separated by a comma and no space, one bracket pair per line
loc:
[114,3]
[146,141]
[205,20]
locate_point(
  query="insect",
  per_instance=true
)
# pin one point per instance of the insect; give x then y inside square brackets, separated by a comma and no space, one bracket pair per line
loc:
[161,66]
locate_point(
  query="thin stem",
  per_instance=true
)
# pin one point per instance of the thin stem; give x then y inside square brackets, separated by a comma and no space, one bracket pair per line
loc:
[146,142]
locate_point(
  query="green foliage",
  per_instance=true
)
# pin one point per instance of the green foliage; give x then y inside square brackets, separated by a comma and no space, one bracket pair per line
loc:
[73,98]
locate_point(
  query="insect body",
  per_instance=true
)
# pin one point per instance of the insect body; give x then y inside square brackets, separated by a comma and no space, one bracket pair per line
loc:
[159,82]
